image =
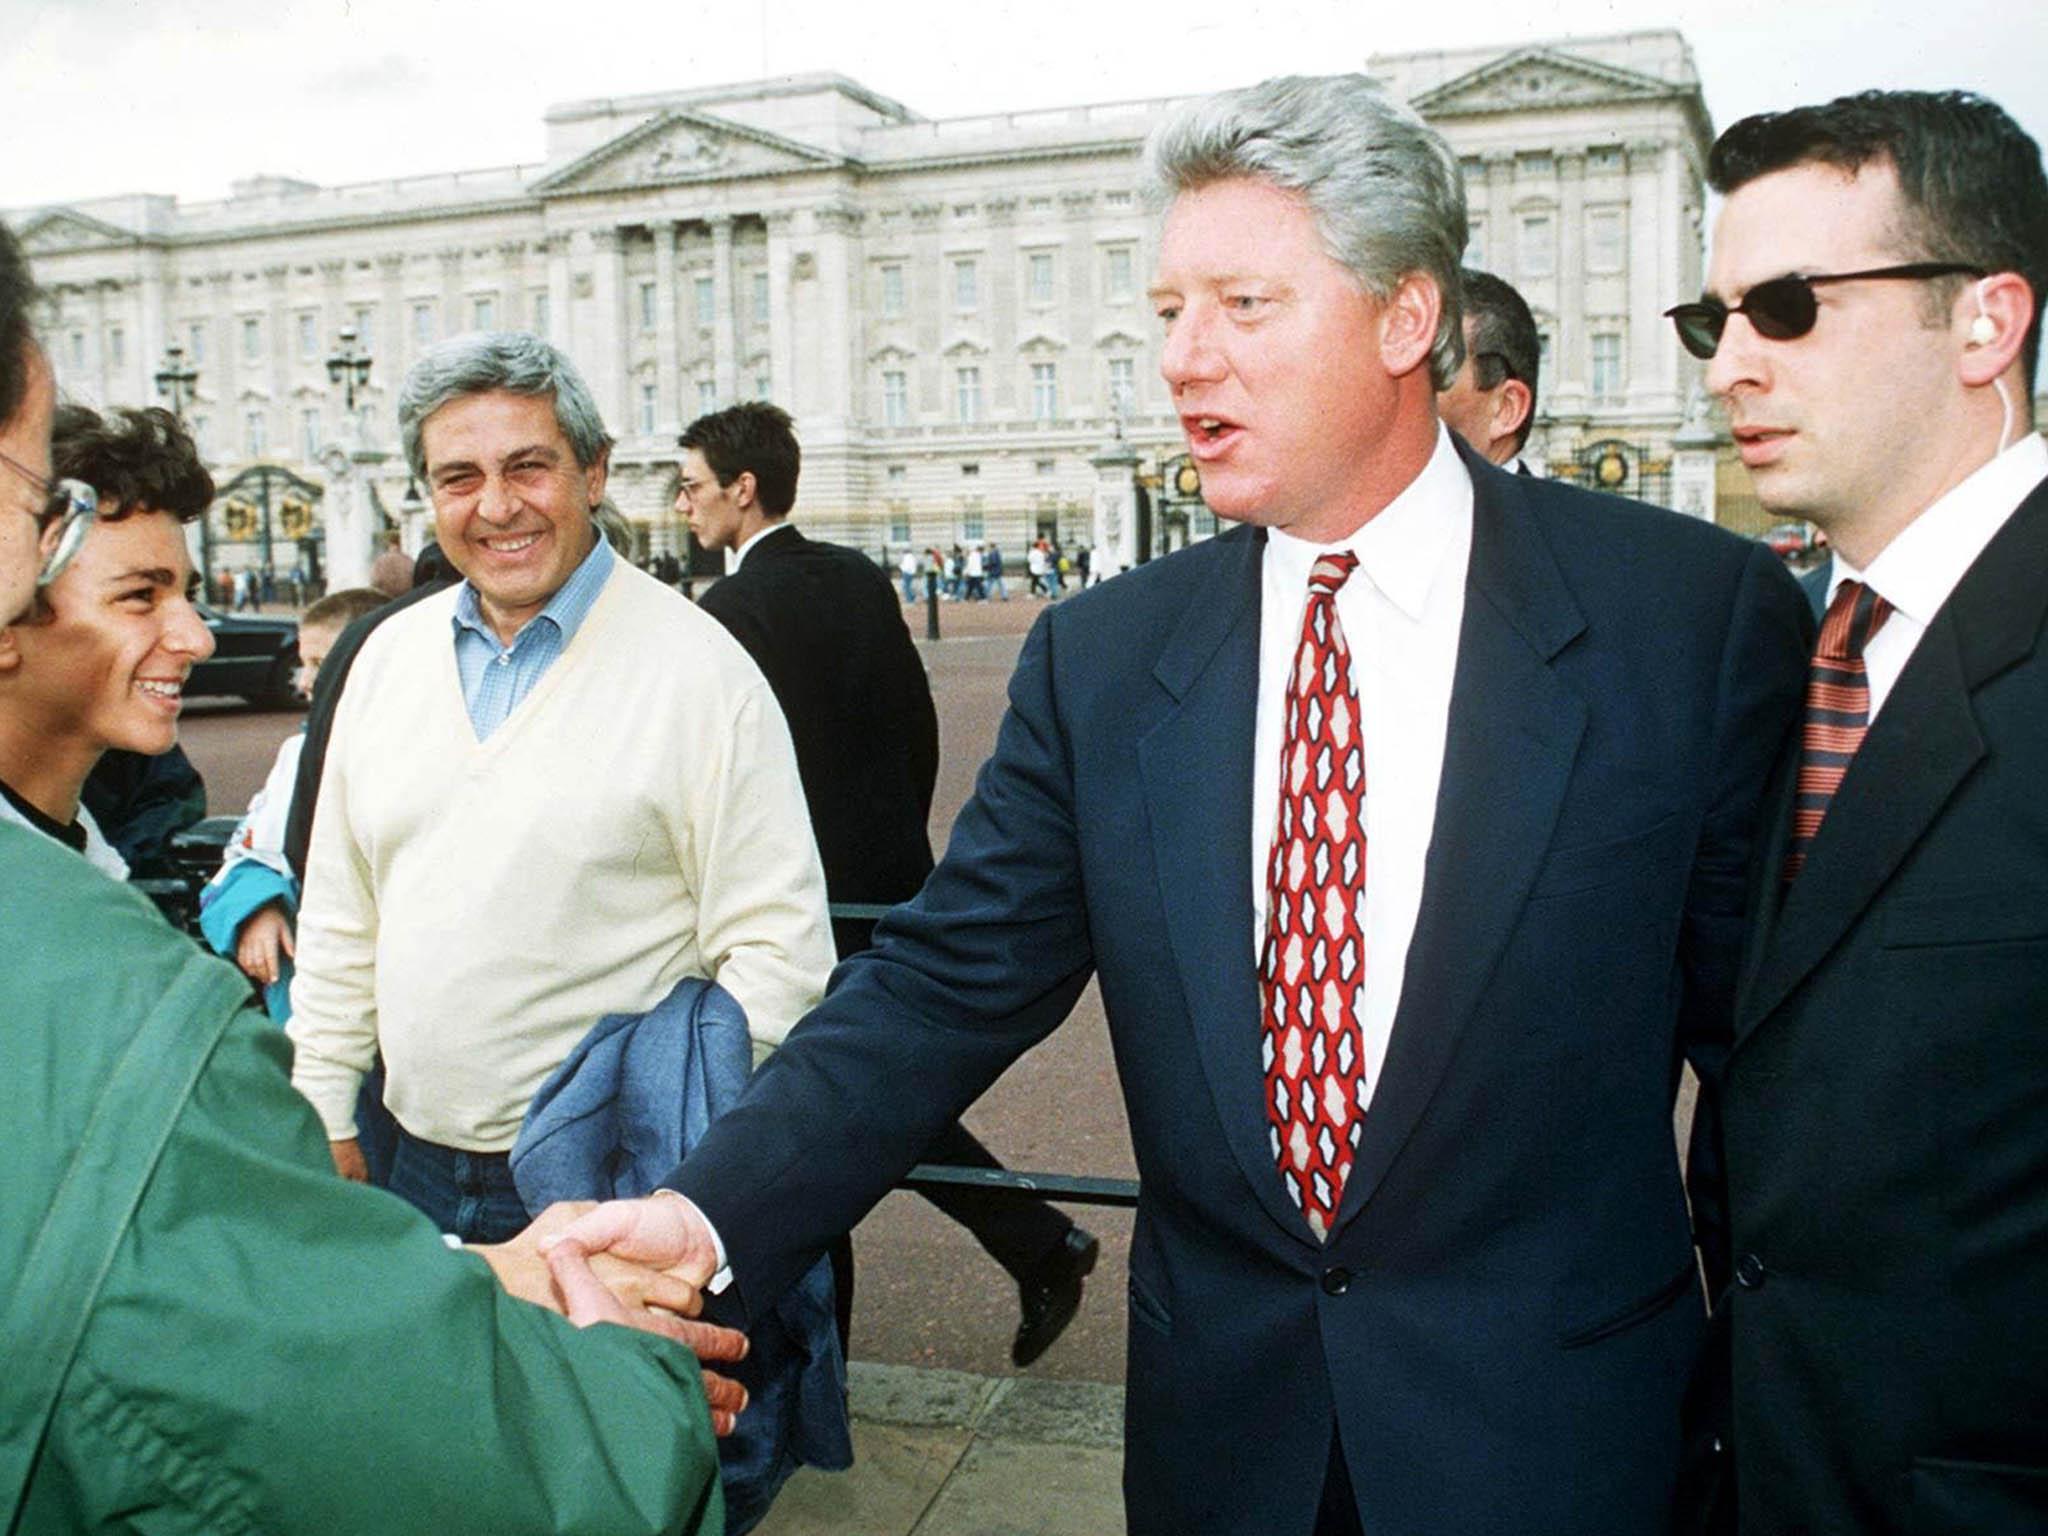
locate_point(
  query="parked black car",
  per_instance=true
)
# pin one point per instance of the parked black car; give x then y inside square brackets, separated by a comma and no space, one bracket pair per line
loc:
[254,657]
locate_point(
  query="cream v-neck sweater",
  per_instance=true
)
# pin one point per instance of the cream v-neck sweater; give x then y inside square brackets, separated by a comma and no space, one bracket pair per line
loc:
[471,909]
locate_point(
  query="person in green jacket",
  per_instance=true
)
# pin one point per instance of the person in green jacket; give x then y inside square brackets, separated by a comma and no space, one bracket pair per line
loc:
[203,1330]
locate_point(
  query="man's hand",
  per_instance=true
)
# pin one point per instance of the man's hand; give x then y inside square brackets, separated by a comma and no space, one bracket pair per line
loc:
[263,945]
[664,1230]
[583,1281]
[348,1160]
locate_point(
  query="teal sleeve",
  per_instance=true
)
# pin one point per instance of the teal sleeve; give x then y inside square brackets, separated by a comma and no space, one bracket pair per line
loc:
[277,1350]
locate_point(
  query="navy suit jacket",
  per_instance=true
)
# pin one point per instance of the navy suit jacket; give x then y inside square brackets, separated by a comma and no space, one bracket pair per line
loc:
[1887,1102]
[1502,1323]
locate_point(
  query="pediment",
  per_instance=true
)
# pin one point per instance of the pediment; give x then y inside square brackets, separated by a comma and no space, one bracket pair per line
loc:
[1041,342]
[890,353]
[1117,337]
[65,229]
[966,346]
[678,147]
[1539,77]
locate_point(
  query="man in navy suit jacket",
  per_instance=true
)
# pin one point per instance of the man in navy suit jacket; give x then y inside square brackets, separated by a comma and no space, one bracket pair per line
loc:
[1568,705]
[1885,1097]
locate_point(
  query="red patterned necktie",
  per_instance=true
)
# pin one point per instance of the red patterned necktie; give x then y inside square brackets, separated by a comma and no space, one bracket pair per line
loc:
[1837,711]
[1313,962]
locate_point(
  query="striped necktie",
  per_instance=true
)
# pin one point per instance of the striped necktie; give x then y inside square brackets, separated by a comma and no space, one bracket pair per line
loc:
[1312,964]
[1837,711]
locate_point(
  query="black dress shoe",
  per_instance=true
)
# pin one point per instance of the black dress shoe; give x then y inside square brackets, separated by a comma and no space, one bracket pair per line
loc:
[1052,1295]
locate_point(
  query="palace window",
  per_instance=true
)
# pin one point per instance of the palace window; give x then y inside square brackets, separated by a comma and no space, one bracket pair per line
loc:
[1045,391]
[895,398]
[967,393]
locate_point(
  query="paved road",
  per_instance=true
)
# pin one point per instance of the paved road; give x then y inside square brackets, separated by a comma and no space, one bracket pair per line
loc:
[927,1295]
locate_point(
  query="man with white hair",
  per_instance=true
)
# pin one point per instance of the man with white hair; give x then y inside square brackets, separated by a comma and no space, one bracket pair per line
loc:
[1412,1253]
[553,792]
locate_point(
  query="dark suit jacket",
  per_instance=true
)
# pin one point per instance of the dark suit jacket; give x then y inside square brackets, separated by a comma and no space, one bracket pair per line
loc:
[823,624]
[298,827]
[1504,1319]
[1886,1112]
[1815,585]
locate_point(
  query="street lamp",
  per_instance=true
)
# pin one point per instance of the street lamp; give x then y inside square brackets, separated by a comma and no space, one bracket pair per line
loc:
[348,367]
[178,383]
[351,515]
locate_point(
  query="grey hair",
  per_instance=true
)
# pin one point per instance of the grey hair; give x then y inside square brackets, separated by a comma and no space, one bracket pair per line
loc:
[1383,186]
[515,361]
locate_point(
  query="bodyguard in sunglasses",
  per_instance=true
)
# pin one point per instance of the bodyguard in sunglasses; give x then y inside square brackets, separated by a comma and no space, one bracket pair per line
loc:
[1873,321]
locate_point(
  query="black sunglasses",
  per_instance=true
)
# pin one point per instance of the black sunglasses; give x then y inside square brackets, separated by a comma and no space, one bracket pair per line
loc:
[1784,307]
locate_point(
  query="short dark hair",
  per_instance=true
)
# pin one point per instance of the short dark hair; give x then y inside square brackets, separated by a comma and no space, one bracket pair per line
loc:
[17,331]
[133,459]
[1501,338]
[1970,178]
[753,436]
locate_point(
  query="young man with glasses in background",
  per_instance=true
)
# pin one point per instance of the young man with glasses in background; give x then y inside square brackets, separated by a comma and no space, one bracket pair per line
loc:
[1872,321]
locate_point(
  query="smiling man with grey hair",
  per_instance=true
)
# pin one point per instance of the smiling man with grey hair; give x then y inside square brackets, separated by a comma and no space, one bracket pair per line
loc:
[553,792]
[1412,1253]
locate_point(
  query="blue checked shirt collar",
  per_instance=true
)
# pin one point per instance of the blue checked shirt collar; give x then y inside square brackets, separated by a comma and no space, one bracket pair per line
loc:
[495,677]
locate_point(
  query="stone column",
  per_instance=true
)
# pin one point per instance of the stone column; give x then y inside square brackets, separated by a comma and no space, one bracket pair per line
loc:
[781,334]
[835,227]
[603,357]
[1571,339]
[667,358]
[561,294]
[152,326]
[1500,214]
[1116,510]
[98,308]
[724,348]
[1656,219]
[453,320]
[390,344]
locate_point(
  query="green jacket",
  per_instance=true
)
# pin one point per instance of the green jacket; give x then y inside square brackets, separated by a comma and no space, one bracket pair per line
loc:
[204,1330]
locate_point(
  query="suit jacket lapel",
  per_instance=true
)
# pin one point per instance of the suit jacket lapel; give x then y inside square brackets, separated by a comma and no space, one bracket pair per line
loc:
[1513,735]
[1923,745]
[1196,765]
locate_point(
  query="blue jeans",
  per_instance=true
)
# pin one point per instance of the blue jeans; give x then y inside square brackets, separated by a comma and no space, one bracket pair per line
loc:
[468,1193]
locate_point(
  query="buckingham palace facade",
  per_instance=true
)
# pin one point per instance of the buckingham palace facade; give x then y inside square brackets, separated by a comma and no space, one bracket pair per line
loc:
[953,310]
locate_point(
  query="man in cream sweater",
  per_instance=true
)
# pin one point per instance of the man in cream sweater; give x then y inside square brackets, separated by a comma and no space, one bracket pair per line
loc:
[553,792]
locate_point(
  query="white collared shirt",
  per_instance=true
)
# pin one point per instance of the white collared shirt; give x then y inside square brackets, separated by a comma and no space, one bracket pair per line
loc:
[1918,570]
[740,555]
[1401,611]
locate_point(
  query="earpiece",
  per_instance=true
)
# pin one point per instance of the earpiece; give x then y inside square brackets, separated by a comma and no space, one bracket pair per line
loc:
[1983,329]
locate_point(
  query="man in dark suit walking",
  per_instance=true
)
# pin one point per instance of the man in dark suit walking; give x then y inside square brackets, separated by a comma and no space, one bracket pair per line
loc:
[1404,828]
[823,625]
[1885,1100]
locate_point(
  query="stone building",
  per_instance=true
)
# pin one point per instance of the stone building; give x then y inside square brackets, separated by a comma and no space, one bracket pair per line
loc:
[953,310]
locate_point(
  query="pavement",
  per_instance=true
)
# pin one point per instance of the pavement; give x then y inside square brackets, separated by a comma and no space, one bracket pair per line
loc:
[947,1453]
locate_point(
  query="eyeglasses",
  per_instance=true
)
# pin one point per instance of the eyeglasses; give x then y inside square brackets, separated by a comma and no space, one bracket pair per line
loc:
[1784,308]
[67,516]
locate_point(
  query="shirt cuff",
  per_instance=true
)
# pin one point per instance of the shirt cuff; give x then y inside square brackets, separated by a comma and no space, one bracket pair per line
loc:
[723,1277]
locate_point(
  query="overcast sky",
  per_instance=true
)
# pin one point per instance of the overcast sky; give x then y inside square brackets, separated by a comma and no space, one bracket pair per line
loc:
[100,97]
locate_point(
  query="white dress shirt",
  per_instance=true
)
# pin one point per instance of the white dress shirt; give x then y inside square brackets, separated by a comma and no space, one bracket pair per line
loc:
[1401,611]
[1918,570]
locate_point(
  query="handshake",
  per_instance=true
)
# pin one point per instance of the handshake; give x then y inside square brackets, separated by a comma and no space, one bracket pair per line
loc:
[639,1263]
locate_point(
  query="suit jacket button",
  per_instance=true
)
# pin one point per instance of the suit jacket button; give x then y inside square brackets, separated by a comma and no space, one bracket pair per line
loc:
[1749,1272]
[1336,1280]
